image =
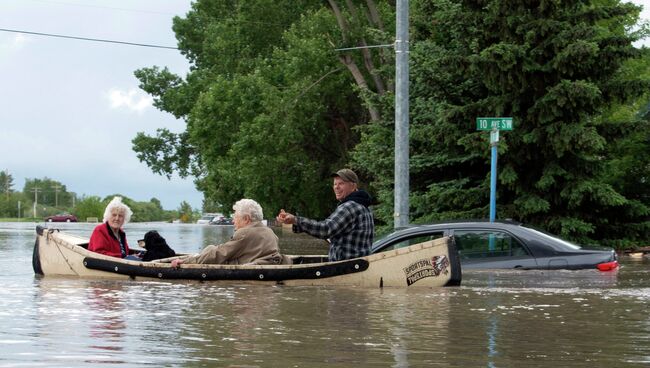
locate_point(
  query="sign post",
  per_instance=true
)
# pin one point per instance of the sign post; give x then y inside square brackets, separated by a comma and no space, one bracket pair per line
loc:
[493,125]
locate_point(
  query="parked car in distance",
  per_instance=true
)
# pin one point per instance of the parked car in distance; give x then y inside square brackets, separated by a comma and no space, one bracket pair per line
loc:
[207,217]
[221,221]
[63,217]
[502,245]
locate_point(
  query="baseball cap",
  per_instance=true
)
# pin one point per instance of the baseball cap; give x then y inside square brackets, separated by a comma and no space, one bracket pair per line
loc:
[347,175]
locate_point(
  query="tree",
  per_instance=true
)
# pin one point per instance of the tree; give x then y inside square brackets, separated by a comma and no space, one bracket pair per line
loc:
[269,110]
[90,206]
[185,212]
[147,211]
[556,68]
[48,192]
[6,183]
[8,198]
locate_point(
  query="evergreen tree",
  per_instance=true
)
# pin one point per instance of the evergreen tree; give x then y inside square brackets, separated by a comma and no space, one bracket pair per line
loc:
[6,183]
[556,68]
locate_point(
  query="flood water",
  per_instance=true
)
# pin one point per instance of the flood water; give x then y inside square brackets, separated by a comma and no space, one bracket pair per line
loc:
[495,319]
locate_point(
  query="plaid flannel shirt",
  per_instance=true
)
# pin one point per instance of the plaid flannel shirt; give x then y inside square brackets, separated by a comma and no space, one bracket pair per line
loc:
[349,228]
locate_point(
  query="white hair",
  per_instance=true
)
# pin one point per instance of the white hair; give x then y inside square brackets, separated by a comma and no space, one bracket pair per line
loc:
[248,207]
[116,204]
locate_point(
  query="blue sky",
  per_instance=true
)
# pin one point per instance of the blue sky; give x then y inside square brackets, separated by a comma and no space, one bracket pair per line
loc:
[70,108]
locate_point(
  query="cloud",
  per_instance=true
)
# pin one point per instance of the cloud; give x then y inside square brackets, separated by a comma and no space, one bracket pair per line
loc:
[14,42]
[132,100]
[19,40]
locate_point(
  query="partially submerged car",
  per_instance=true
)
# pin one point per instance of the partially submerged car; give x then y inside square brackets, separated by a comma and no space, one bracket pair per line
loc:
[222,221]
[484,245]
[206,218]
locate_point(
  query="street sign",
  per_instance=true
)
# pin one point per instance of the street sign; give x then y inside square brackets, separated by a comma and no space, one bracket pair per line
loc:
[492,123]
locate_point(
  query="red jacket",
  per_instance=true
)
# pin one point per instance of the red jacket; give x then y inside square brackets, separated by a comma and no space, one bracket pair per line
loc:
[104,241]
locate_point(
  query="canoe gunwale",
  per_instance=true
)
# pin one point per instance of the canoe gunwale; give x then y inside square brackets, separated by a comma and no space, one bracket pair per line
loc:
[229,273]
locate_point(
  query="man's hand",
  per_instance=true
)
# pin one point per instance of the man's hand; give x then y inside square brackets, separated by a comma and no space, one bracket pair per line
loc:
[285,217]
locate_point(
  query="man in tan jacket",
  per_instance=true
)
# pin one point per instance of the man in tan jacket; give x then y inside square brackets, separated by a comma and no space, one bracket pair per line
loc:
[252,242]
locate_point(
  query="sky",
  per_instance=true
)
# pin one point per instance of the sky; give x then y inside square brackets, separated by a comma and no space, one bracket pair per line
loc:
[70,108]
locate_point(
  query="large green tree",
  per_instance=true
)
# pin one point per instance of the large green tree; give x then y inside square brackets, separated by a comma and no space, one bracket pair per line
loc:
[556,67]
[271,107]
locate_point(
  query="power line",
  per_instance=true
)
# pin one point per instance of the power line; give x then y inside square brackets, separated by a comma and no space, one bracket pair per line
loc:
[365,47]
[88,39]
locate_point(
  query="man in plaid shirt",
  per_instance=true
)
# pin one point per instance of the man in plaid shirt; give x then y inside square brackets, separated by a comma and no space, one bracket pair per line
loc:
[350,228]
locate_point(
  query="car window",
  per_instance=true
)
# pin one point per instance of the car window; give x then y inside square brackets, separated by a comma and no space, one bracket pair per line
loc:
[414,240]
[554,238]
[487,243]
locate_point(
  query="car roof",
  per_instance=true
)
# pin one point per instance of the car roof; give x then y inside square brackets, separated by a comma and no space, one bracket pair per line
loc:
[500,224]
[515,228]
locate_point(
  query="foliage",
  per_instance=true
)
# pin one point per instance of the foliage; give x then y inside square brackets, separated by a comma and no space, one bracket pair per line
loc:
[89,206]
[142,211]
[270,109]
[6,183]
[558,68]
[9,206]
[185,212]
[48,192]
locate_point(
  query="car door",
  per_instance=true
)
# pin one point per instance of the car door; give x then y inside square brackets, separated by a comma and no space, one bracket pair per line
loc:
[491,248]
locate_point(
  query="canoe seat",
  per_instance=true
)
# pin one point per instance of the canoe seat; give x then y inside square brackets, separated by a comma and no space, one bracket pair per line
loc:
[309,259]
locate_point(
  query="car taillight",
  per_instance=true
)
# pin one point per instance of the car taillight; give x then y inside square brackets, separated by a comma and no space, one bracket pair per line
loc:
[607,266]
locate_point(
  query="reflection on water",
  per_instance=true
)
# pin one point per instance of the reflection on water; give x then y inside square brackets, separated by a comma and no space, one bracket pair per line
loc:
[106,309]
[495,319]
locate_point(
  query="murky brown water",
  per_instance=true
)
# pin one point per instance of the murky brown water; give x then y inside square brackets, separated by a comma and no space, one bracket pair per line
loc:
[495,319]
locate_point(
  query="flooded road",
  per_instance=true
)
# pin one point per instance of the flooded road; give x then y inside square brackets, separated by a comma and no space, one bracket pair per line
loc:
[495,319]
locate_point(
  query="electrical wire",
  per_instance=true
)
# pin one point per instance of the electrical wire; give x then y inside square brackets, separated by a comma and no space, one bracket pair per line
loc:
[88,39]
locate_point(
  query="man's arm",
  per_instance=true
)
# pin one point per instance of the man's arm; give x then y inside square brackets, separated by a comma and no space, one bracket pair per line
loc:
[340,220]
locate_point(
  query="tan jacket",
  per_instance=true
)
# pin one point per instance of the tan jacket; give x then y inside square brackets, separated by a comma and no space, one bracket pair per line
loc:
[253,244]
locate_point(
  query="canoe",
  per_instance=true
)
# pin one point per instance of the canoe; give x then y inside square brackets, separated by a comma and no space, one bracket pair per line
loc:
[433,263]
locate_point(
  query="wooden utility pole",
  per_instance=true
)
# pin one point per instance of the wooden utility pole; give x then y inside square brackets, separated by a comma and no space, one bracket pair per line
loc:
[56,195]
[35,190]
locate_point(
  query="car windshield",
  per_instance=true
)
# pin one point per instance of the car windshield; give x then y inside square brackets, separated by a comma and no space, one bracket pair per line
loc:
[554,238]
[386,233]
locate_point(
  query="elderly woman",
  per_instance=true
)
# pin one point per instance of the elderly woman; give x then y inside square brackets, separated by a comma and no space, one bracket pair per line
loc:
[109,238]
[252,242]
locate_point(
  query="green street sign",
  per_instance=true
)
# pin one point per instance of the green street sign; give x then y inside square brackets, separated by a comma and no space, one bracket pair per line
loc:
[491,123]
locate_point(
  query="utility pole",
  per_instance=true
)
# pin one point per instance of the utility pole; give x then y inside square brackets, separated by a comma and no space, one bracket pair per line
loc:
[56,194]
[35,190]
[401,215]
